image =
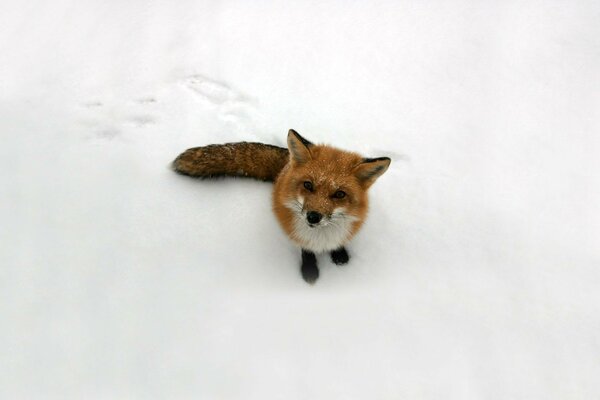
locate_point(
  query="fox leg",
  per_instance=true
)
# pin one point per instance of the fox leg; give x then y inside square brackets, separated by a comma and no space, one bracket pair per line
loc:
[310,270]
[340,256]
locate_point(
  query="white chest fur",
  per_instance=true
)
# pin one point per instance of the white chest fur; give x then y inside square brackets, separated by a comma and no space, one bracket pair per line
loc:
[330,234]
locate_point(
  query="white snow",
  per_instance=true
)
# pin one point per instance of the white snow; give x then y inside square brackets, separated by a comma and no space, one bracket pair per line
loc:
[477,275]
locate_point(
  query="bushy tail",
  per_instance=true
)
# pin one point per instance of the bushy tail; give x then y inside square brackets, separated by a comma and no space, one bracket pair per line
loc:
[253,160]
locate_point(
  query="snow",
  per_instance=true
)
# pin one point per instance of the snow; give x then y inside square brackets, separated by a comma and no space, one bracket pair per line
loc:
[476,275]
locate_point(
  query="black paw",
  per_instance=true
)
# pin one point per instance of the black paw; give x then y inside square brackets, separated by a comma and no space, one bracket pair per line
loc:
[340,256]
[310,270]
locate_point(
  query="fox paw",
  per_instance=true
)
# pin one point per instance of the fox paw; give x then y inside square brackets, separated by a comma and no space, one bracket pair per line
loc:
[340,256]
[309,269]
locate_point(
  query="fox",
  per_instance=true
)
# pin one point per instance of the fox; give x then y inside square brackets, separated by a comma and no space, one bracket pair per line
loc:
[320,192]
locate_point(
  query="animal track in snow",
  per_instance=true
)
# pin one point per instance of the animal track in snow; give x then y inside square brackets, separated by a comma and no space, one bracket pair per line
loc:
[107,133]
[120,116]
[145,100]
[231,106]
[140,120]
[213,91]
[91,104]
[108,120]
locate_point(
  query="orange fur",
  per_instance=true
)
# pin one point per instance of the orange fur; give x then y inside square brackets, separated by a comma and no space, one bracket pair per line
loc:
[329,169]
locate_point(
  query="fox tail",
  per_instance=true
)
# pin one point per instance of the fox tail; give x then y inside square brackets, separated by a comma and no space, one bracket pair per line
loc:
[243,159]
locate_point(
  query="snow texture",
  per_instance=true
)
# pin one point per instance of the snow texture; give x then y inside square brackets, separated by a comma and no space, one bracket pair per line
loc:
[476,276]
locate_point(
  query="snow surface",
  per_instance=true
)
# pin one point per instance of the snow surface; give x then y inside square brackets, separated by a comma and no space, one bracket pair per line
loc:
[476,276]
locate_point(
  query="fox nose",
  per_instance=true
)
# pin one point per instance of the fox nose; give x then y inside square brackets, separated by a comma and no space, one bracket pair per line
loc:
[313,217]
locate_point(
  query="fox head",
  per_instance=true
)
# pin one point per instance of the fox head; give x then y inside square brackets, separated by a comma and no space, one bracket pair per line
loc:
[320,198]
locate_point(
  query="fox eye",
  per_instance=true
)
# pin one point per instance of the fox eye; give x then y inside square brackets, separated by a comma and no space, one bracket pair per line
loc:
[308,186]
[339,194]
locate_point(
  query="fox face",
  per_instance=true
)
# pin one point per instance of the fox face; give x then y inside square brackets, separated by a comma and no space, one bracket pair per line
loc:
[320,197]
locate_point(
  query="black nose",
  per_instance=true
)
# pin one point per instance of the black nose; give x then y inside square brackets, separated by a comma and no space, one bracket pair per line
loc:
[313,217]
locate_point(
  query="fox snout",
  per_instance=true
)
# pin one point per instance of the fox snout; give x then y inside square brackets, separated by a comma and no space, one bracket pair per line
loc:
[313,217]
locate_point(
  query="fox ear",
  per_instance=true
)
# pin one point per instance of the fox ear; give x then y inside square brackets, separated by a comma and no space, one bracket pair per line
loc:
[370,169]
[299,147]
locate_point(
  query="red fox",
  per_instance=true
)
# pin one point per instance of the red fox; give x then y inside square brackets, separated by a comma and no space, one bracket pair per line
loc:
[320,192]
